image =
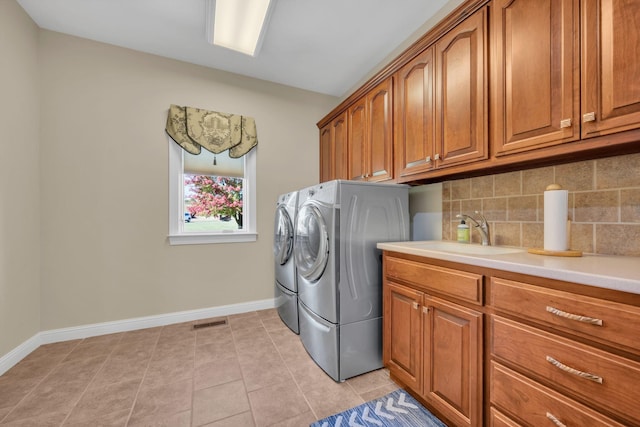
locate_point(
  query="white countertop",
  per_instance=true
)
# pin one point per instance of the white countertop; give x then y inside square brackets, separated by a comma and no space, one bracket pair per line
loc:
[605,271]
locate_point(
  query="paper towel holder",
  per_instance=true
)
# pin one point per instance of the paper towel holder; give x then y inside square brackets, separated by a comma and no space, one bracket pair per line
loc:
[542,251]
[567,253]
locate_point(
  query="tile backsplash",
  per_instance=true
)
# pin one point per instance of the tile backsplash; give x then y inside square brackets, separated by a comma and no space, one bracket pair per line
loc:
[604,205]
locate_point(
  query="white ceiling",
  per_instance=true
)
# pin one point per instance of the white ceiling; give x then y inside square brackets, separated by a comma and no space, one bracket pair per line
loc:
[325,46]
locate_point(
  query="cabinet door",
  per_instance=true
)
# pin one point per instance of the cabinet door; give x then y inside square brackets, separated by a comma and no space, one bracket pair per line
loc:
[357,140]
[461,93]
[379,158]
[340,148]
[453,361]
[414,113]
[535,79]
[610,66]
[402,334]
[326,154]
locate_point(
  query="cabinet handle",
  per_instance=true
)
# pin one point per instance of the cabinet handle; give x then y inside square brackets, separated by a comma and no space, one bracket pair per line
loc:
[437,157]
[415,305]
[428,159]
[581,374]
[589,117]
[555,420]
[576,317]
[425,310]
[566,123]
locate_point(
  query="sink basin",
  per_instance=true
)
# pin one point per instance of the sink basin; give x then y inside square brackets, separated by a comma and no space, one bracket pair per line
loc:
[464,248]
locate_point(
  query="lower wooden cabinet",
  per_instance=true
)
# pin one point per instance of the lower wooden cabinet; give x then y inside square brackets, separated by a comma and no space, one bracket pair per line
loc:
[536,404]
[402,349]
[486,347]
[595,319]
[434,347]
[452,358]
[563,358]
[590,374]
[498,419]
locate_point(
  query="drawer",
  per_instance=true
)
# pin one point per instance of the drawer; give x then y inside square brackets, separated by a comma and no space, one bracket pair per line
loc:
[600,320]
[604,379]
[535,404]
[498,419]
[446,281]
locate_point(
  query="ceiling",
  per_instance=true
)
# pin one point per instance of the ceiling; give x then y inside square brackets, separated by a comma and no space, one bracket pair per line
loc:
[325,46]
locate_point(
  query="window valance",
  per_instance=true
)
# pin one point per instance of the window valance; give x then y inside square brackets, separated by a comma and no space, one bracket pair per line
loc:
[195,128]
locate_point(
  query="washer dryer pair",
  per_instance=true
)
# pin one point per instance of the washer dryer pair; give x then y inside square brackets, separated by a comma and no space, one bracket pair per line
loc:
[286,289]
[339,270]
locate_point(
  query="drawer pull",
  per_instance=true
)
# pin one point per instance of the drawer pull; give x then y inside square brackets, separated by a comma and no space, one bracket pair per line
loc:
[555,420]
[576,317]
[566,123]
[586,375]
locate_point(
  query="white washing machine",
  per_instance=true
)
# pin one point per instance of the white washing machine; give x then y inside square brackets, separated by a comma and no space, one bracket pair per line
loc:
[286,289]
[339,270]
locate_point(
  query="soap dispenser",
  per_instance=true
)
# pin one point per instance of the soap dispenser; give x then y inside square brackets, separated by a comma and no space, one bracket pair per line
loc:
[463,232]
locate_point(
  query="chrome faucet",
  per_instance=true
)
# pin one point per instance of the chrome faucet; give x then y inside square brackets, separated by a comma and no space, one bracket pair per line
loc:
[483,226]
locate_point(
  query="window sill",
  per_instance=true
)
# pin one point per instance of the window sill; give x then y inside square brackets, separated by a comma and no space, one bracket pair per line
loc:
[204,239]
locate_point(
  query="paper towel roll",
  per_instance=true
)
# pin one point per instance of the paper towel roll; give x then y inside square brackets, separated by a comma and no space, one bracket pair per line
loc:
[556,207]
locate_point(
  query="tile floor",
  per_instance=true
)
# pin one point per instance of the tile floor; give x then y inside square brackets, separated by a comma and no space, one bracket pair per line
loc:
[233,375]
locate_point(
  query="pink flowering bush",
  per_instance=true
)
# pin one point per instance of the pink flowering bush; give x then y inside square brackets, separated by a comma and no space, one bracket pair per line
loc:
[214,196]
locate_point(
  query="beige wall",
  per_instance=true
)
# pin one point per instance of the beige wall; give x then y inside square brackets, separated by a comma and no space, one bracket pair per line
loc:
[105,182]
[19,178]
[425,210]
[604,204]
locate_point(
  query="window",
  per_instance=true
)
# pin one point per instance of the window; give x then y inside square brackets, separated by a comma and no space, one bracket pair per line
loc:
[211,197]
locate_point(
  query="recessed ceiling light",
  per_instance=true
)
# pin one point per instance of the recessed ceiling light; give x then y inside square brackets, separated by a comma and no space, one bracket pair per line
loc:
[238,24]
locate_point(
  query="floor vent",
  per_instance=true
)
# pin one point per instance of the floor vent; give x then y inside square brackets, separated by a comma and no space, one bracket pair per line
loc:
[210,324]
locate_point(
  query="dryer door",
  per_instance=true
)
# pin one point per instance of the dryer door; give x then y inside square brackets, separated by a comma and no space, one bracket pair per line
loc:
[283,239]
[312,242]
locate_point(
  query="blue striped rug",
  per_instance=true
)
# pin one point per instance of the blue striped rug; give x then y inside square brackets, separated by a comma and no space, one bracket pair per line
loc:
[397,409]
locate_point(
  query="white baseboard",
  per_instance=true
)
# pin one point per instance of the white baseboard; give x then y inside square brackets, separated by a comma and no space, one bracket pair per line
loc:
[78,332]
[20,352]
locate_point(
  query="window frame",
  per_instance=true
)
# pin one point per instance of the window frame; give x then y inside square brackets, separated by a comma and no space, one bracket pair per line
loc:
[177,235]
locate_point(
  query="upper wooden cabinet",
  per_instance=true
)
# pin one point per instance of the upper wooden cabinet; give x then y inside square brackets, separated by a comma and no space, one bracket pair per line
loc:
[540,97]
[441,102]
[357,115]
[545,81]
[333,149]
[462,93]
[534,74]
[380,132]
[371,135]
[326,154]
[414,116]
[610,66]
